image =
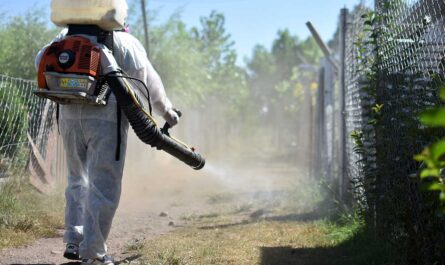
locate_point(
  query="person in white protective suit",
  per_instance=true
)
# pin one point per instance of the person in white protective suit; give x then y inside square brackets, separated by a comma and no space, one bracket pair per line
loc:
[90,137]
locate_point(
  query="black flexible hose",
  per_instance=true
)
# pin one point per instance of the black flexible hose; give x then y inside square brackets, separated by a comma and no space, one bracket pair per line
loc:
[146,129]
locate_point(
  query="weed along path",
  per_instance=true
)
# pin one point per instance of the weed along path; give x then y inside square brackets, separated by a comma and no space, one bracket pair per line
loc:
[128,230]
[223,215]
[150,206]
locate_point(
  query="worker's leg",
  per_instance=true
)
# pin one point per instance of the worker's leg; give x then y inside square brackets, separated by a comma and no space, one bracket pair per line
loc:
[104,189]
[75,192]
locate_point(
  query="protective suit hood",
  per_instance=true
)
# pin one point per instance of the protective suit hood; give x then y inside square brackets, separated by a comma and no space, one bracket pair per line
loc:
[107,14]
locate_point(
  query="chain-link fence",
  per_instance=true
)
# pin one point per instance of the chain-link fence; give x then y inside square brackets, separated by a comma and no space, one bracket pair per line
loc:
[409,72]
[29,140]
[360,166]
[393,58]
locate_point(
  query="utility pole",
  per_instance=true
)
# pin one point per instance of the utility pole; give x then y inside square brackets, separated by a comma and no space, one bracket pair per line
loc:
[144,17]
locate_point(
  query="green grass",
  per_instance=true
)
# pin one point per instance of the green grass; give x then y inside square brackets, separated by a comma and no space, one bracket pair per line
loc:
[268,242]
[26,215]
[289,231]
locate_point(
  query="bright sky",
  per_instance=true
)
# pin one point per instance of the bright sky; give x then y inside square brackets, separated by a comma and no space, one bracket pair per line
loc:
[250,22]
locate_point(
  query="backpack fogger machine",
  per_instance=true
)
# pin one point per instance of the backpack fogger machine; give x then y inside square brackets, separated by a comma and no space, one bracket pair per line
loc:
[79,71]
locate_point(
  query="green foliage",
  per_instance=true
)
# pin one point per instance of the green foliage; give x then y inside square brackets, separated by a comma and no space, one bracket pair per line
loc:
[344,228]
[433,157]
[434,117]
[396,210]
[21,37]
[285,50]
[275,71]
[355,244]
[376,114]
[198,67]
[198,64]
[310,51]
[26,215]
[227,80]
[177,59]
[282,83]
[368,59]
[367,45]
[214,41]
[357,137]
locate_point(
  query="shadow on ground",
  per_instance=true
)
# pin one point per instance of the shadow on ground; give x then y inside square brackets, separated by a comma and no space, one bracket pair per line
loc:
[358,250]
[128,259]
[312,216]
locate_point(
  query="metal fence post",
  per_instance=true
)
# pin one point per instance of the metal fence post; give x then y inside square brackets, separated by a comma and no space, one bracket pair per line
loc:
[343,176]
[320,122]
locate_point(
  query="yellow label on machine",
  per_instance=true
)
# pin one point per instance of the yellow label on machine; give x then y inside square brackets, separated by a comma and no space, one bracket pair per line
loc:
[71,83]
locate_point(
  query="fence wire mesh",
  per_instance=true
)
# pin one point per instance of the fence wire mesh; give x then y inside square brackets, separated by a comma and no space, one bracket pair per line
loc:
[394,63]
[410,71]
[414,36]
[28,139]
[360,142]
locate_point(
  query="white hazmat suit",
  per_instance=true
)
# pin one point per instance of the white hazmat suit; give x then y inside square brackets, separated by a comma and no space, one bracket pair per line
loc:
[90,138]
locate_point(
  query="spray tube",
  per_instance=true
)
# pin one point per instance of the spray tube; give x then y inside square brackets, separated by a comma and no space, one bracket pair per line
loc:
[140,120]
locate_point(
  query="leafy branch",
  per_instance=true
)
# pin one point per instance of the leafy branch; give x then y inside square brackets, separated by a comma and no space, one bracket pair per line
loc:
[433,157]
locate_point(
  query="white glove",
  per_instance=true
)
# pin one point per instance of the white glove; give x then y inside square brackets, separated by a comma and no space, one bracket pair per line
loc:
[171,117]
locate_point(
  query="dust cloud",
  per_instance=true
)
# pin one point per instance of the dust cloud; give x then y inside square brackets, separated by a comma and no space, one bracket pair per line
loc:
[244,172]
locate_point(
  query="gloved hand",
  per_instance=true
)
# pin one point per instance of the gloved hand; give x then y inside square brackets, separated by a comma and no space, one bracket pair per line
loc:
[171,117]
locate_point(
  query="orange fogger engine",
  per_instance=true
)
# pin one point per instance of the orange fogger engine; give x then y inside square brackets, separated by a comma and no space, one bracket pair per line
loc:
[69,73]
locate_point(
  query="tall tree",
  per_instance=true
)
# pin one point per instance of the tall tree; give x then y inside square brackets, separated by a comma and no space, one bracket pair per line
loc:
[279,78]
[228,79]
[21,37]
[214,40]
[286,52]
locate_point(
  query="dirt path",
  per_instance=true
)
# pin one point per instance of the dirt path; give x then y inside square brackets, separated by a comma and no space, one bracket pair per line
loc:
[138,218]
[148,190]
[166,188]
[127,229]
